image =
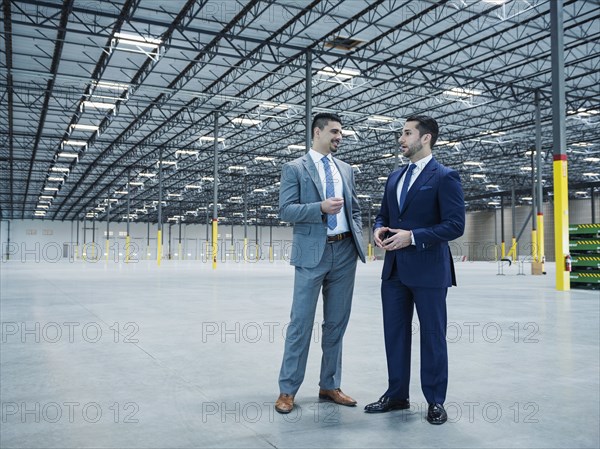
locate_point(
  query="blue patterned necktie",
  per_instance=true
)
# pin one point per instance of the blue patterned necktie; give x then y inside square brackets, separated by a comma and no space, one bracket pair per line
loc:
[329,191]
[405,185]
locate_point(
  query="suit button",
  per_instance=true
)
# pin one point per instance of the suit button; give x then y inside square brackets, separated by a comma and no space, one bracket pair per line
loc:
[399,220]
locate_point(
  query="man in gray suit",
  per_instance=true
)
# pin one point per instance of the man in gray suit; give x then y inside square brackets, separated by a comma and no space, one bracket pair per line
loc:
[317,195]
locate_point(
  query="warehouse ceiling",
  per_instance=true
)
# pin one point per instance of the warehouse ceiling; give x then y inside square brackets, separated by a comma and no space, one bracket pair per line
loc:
[102,101]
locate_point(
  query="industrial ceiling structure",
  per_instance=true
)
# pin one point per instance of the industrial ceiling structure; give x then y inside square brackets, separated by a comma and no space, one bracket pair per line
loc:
[102,101]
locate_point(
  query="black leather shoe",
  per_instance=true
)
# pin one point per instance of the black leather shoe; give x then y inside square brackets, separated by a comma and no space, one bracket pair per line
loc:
[387,404]
[436,414]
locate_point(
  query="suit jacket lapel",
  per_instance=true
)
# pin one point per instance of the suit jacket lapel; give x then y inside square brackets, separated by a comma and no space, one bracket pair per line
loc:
[311,168]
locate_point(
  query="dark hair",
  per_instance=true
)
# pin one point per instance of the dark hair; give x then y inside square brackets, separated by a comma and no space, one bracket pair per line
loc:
[426,125]
[322,119]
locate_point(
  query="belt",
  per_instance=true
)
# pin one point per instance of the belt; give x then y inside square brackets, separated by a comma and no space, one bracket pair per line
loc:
[338,237]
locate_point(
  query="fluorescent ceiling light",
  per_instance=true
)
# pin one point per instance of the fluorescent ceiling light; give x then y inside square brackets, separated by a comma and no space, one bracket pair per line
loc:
[40,213]
[382,178]
[211,139]
[166,162]
[98,105]
[136,183]
[142,41]
[269,105]
[77,126]
[75,143]
[246,121]
[237,167]
[473,163]
[380,118]
[208,178]
[42,206]
[264,158]
[47,197]
[493,186]
[51,189]
[186,152]
[121,192]
[527,198]
[590,174]
[109,85]
[461,92]
[69,155]
[477,175]
[259,191]
[174,195]
[493,203]
[193,186]
[296,147]
[592,159]
[236,199]
[147,175]
[54,178]
[341,74]
[582,144]
[349,132]
[526,168]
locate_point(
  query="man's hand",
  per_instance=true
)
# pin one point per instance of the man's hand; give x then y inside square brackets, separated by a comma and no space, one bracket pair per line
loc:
[399,239]
[332,206]
[378,234]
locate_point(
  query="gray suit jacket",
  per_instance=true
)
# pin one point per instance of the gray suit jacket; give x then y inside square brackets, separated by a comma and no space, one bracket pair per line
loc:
[300,197]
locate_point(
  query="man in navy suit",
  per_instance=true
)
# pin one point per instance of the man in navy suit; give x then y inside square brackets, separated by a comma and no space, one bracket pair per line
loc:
[318,196]
[421,211]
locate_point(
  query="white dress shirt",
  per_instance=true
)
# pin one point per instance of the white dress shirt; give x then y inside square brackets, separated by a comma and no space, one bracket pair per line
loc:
[338,185]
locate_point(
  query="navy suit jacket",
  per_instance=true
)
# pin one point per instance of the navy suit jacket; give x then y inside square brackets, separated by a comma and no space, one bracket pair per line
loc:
[434,211]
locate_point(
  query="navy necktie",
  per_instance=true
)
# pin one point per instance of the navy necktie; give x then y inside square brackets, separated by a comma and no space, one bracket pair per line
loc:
[406,183]
[329,191]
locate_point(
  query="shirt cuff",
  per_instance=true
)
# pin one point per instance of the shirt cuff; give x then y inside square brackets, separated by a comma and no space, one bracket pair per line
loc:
[412,239]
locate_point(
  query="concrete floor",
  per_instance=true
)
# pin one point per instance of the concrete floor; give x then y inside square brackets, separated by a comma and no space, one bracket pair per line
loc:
[181,356]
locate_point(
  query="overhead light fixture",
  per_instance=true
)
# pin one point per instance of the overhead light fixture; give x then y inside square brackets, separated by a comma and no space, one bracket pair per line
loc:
[492,186]
[54,178]
[382,178]
[68,155]
[237,168]
[259,191]
[137,40]
[264,158]
[591,174]
[42,206]
[121,192]
[236,199]
[380,119]
[39,213]
[147,175]
[276,106]
[207,178]
[341,74]
[136,183]
[478,175]
[582,144]
[111,85]
[473,163]
[349,132]
[77,126]
[592,159]
[75,143]
[51,189]
[166,163]
[462,92]
[246,121]
[527,198]
[211,139]
[193,186]
[174,195]
[186,153]
[526,168]
[493,203]
[47,197]
[296,147]
[97,105]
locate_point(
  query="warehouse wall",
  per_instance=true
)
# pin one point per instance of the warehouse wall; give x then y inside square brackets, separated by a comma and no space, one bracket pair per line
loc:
[53,241]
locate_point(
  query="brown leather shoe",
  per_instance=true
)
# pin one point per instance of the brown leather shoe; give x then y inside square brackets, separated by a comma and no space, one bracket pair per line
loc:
[284,403]
[337,396]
